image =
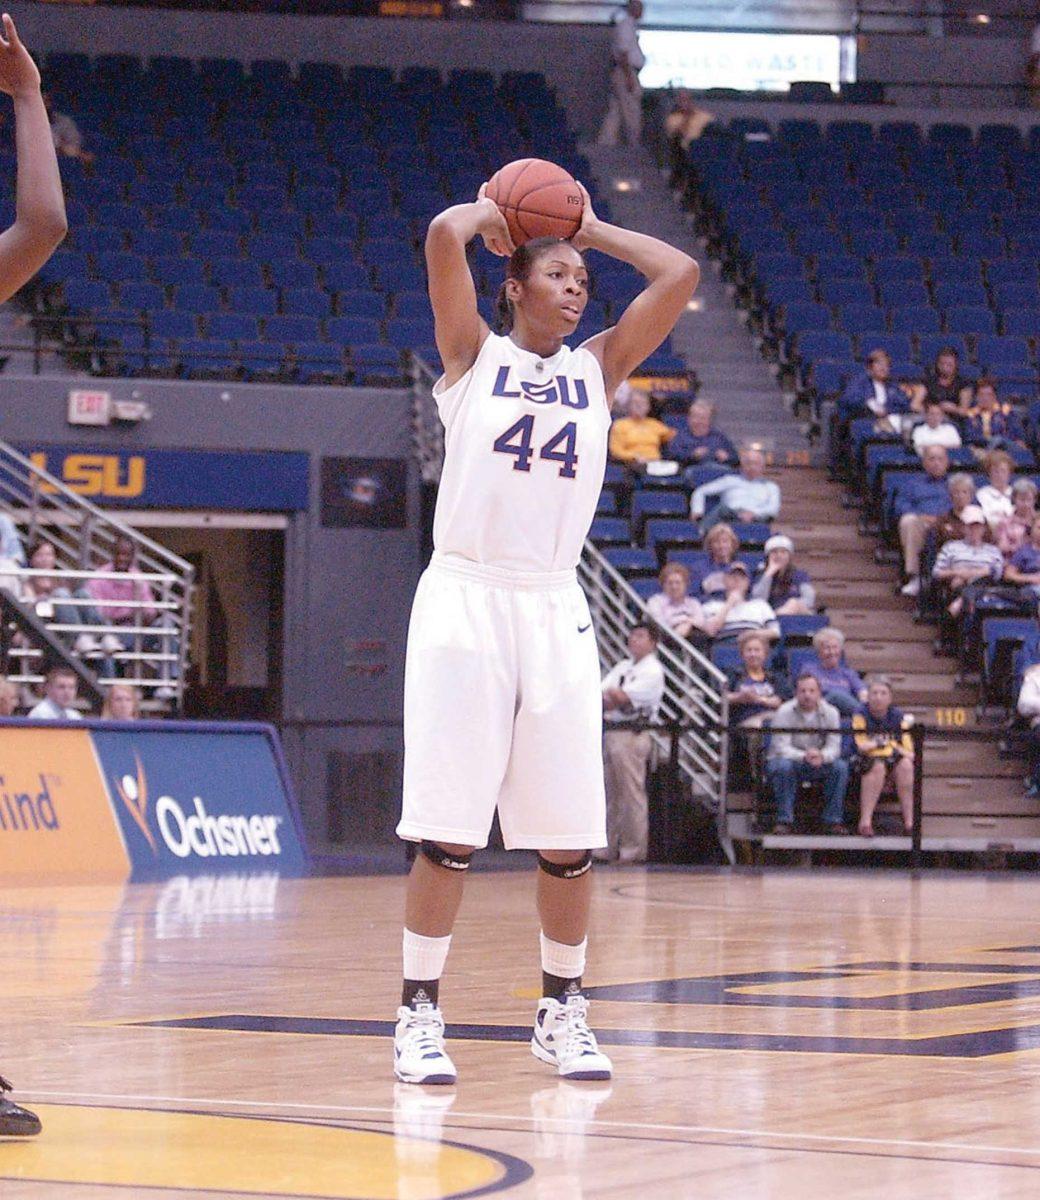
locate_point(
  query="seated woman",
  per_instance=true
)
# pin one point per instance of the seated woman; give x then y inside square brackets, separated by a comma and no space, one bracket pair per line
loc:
[122,703]
[886,752]
[727,618]
[721,545]
[1012,532]
[52,604]
[639,438]
[673,607]
[754,693]
[994,498]
[841,686]
[787,588]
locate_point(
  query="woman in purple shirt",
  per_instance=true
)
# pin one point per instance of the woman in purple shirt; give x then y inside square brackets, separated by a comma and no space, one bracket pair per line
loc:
[673,607]
[841,685]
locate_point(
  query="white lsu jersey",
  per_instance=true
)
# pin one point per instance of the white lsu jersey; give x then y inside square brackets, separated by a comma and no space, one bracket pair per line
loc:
[525,448]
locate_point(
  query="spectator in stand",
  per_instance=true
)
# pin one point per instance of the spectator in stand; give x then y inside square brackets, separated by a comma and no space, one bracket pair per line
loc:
[754,691]
[935,430]
[59,694]
[748,496]
[806,744]
[994,498]
[700,442]
[786,588]
[673,607]
[622,396]
[68,139]
[726,619]
[632,691]
[840,685]
[945,383]
[12,554]
[128,602]
[721,545]
[873,393]
[1029,707]
[122,703]
[968,560]
[9,698]
[886,753]
[45,597]
[625,104]
[918,506]
[1024,567]
[990,423]
[686,121]
[1012,532]
[949,526]
[639,438]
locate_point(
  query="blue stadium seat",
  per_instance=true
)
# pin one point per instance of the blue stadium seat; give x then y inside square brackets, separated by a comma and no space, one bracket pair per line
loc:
[1012,271]
[981,245]
[1021,322]
[267,247]
[94,239]
[408,334]
[779,266]
[176,217]
[914,319]
[259,302]
[901,293]
[997,353]
[909,270]
[356,331]
[896,344]
[261,359]
[141,295]
[195,298]
[374,356]
[956,270]
[841,293]
[653,504]
[306,302]
[606,505]
[206,357]
[949,293]
[929,345]
[293,273]
[232,327]
[168,324]
[834,346]
[235,272]
[862,318]
[177,271]
[120,216]
[1016,295]
[215,243]
[229,220]
[629,561]
[373,304]
[970,319]
[929,245]
[839,266]
[120,267]
[609,531]
[318,360]
[154,243]
[801,318]
[87,293]
[414,306]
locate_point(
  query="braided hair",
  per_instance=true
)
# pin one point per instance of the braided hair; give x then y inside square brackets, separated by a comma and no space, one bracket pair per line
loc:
[519,267]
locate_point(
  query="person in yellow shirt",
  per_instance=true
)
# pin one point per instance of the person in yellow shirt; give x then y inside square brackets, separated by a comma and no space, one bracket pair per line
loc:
[639,438]
[886,751]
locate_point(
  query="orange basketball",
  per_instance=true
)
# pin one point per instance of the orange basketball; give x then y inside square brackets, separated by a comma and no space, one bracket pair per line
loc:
[537,199]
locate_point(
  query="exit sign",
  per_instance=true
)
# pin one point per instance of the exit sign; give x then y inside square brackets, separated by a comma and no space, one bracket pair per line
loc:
[89,407]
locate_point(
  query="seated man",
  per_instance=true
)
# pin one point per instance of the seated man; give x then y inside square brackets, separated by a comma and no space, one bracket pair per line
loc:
[873,394]
[919,505]
[632,691]
[700,442]
[748,496]
[806,744]
[726,618]
[59,693]
[935,430]
[990,423]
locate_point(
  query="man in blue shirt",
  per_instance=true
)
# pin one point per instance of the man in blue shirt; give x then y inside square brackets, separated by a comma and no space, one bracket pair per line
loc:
[873,393]
[919,504]
[699,443]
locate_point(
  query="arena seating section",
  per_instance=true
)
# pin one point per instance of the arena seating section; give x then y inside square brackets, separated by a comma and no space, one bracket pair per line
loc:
[255,224]
[854,237]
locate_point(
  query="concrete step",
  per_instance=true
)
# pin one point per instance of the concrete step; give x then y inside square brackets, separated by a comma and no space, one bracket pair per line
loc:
[891,655]
[841,594]
[950,756]
[932,690]
[861,624]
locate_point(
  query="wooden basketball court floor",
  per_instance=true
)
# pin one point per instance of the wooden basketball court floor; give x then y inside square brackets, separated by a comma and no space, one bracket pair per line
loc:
[774,1035]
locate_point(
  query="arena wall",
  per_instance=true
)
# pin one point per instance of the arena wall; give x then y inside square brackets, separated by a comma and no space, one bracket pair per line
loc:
[347,590]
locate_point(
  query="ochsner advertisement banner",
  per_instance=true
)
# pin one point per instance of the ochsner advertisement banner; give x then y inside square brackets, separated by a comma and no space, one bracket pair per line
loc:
[194,800]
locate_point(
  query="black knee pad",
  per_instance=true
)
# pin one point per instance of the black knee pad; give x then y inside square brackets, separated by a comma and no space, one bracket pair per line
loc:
[567,870]
[441,858]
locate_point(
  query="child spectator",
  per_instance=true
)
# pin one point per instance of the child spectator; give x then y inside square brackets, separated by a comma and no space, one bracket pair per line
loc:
[935,430]
[786,587]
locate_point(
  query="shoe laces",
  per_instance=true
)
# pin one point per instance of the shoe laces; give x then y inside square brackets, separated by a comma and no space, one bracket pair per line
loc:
[425,1032]
[578,1037]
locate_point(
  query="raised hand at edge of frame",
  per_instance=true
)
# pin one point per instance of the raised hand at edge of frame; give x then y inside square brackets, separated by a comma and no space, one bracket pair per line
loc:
[19,75]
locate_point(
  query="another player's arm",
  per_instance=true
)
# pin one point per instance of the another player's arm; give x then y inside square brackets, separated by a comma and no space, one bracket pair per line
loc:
[40,222]
[458,326]
[672,278]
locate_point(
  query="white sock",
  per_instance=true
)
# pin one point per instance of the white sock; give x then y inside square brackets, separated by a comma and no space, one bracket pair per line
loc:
[424,957]
[568,962]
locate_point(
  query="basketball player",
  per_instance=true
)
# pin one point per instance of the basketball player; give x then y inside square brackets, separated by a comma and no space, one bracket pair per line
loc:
[38,228]
[502,692]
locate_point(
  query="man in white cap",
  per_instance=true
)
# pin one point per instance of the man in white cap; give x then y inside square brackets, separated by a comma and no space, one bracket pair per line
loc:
[968,560]
[786,588]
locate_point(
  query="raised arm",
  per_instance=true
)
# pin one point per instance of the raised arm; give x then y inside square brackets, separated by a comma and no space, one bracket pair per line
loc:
[672,278]
[40,223]
[458,326]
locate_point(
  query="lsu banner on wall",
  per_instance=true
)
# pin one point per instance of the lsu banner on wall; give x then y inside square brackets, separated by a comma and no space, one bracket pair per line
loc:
[148,800]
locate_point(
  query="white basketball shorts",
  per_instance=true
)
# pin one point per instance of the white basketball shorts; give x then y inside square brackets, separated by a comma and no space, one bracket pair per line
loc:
[502,707]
